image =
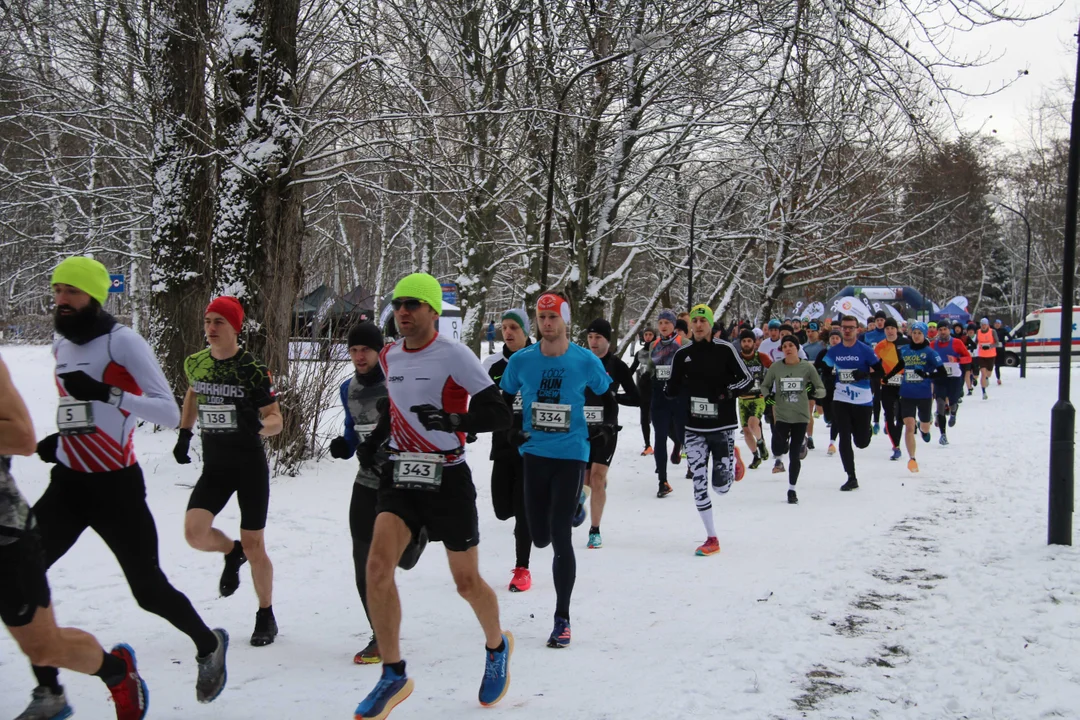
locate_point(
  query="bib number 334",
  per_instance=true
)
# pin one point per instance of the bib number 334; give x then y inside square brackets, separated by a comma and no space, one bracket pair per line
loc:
[551,417]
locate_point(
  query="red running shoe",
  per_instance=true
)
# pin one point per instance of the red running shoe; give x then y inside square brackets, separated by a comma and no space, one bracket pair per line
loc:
[711,546]
[647,450]
[521,581]
[740,466]
[130,695]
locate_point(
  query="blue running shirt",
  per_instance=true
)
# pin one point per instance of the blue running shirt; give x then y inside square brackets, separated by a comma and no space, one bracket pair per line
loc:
[923,358]
[846,360]
[559,381]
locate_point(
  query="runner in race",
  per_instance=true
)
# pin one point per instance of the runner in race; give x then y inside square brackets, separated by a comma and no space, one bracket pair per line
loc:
[888,351]
[852,402]
[232,396]
[602,417]
[949,391]
[973,347]
[364,399]
[640,366]
[25,600]
[966,363]
[552,377]
[987,340]
[427,485]
[812,348]
[829,378]
[507,468]
[751,402]
[667,414]
[108,379]
[770,343]
[874,334]
[1003,332]
[919,366]
[792,383]
[706,376]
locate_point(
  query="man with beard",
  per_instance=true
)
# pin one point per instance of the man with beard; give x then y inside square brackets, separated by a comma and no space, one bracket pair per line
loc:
[752,402]
[108,378]
[507,472]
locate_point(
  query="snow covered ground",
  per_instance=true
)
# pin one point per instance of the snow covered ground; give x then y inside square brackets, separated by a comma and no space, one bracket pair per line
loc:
[918,596]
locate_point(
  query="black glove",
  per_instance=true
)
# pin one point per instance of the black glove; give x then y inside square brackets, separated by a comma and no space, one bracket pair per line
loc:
[340,448]
[365,453]
[183,442]
[770,400]
[248,420]
[517,437]
[470,438]
[82,387]
[435,419]
[859,375]
[46,449]
[921,373]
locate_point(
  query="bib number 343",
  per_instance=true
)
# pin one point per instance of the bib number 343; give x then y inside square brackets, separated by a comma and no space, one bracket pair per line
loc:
[418,471]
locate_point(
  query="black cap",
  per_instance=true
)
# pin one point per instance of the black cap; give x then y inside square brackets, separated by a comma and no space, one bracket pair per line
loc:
[789,339]
[600,326]
[747,335]
[366,334]
[881,314]
[680,324]
[891,322]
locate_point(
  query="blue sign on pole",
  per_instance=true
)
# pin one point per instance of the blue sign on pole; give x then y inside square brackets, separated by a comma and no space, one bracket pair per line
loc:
[117,284]
[449,293]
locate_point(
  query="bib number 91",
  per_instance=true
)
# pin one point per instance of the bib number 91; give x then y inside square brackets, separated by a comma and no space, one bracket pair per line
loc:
[702,408]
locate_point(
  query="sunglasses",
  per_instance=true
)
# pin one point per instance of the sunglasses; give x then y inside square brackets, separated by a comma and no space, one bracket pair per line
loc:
[410,304]
[849,327]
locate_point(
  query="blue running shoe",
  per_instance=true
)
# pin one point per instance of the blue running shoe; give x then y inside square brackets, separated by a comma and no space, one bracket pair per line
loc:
[560,636]
[877,428]
[595,541]
[925,436]
[579,516]
[390,691]
[943,440]
[895,454]
[497,673]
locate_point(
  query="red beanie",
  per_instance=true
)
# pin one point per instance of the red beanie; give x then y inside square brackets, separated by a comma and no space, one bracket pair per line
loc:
[228,308]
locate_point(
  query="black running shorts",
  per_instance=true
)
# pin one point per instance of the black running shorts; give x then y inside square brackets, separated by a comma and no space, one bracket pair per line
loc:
[986,363]
[449,513]
[23,586]
[921,407]
[248,476]
[602,447]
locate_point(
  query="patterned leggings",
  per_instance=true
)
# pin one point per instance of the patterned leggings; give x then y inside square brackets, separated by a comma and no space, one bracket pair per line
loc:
[699,446]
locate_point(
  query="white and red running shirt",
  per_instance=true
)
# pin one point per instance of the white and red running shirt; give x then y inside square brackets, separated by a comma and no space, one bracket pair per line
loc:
[123,359]
[443,373]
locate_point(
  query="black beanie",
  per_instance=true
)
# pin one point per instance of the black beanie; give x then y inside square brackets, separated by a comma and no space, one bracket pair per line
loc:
[600,326]
[366,334]
[747,335]
[789,339]
[680,324]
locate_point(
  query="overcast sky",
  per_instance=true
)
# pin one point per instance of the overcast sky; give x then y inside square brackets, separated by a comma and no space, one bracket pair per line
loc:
[1046,48]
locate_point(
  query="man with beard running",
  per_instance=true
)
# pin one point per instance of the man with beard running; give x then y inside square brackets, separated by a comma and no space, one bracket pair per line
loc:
[108,378]
[706,376]
[667,414]
[602,417]
[367,426]
[640,367]
[751,402]
[233,398]
[888,351]
[507,470]
[853,402]
[427,485]
[25,601]
[949,391]
[553,377]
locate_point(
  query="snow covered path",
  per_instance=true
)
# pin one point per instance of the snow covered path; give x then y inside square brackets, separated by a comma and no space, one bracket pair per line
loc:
[918,596]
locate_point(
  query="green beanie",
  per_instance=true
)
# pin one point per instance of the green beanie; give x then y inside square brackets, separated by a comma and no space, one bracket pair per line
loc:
[702,311]
[84,273]
[422,287]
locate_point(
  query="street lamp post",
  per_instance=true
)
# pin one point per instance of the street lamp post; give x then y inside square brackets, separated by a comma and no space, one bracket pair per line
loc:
[1027,274]
[693,215]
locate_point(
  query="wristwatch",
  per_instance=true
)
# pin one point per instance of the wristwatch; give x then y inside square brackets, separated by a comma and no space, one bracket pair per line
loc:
[115,396]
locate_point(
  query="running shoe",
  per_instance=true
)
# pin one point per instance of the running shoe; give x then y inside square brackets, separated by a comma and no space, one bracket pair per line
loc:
[802,451]
[230,576]
[595,541]
[676,456]
[952,420]
[579,516]
[832,450]
[369,655]
[756,462]
[664,490]
[778,466]
[943,440]
[521,581]
[711,546]
[689,474]
[212,671]
[646,451]
[792,498]
[496,672]
[984,395]
[762,450]
[925,436]
[912,465]
[391,690]
[46,705]
[130,696]
[560,634]
[266,629]
[740,466]
[999,381]
[969,392]
[809,442]
[895,454]
[877,428]
[851,484]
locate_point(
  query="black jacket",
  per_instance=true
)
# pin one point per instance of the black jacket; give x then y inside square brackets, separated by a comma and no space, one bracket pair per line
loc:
[611,400]
[501,447]
[709,371]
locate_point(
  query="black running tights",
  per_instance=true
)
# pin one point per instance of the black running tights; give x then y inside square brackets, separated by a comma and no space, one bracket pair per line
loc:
[552,488]
[789,438]
[852,422]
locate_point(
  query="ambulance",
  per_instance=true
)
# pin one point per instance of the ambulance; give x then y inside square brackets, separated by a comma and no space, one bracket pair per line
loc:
[1043,331]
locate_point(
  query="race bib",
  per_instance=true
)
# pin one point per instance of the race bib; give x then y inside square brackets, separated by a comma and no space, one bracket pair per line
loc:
[418,471]
[594,414]
[794,385]
[217,418]
[75,417]
[953,368]
[846,376]
[702,408]
[364,430]
[896,379]
[518,403]
[550,417]
[663,372]
[911,376]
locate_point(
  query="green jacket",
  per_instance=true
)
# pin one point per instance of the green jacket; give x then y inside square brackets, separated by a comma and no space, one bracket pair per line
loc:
[791,386]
